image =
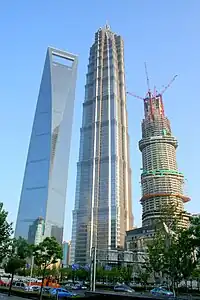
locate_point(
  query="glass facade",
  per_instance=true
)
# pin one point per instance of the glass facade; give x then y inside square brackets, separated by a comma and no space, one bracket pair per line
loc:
[103,202]
[66,253]
[45,180]
[36,232]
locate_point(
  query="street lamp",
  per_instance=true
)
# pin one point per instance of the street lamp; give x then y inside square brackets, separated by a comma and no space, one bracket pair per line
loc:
[93,268]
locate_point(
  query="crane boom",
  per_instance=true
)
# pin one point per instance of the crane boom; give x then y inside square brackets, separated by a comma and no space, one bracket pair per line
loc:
[133,95]
[147,77]
[168,85]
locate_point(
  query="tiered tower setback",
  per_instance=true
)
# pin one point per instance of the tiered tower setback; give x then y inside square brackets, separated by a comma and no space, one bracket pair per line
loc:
[162,183]
[103,202]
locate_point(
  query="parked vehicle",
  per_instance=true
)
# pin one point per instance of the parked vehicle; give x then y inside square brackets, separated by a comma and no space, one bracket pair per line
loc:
[2,283]
[161,291]
[78,287]
[47,289]
[123,288]
[62,293]
[19,285]
[33,288]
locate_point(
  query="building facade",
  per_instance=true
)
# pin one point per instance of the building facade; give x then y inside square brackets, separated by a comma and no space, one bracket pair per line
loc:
[103,202]
[66,253]
[36,231]
[136,242]
[45,180]
[162,183]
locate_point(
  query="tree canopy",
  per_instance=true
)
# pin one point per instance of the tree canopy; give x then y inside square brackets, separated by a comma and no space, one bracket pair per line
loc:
[173,252]
[48,252]
[5,233]
[19,251]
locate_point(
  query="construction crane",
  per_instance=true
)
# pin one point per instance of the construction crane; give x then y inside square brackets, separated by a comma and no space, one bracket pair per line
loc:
[133,95]
[156,93]
[147,78]
[148,86]
[168,85]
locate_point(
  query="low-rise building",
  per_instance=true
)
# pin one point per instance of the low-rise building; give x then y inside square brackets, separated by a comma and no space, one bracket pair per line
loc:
[137,240]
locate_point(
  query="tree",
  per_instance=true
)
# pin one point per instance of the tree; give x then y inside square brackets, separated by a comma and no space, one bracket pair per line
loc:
[126,273]
[23,248]
[13,264]
[19,251]
[47,253]
[194,231]
[171,251]
[5,233]
[100,273]
[113,275]
[66,272]
[143,275]
[82,274]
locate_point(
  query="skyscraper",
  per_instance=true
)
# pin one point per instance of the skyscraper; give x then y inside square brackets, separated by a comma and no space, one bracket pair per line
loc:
[162,183]
[43,192]
[66,253]
[103,203]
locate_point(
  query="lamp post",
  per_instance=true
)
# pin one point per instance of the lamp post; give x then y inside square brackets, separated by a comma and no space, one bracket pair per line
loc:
[32,265]
[93,268]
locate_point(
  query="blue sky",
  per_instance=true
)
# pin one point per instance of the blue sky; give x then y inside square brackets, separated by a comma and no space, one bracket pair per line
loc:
[165,34]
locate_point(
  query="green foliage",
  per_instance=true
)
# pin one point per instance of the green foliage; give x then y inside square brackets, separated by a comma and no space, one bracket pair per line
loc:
[113,275]
[143,275]
[66,272]
[173,252]
[126,273]
[48,252]
[82,274]
[23,248]
[20,248]
[123,274]
[5,232]
[19,251]
[14,264]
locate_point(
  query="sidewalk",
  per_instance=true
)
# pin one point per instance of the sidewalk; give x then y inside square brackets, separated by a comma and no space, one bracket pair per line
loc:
[5,297]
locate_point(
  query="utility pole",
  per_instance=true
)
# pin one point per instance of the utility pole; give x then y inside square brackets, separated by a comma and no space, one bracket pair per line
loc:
[32,265]
[93,269]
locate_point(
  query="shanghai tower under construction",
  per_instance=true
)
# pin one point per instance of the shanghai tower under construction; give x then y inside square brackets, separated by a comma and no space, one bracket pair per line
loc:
[103,201]
[162,183]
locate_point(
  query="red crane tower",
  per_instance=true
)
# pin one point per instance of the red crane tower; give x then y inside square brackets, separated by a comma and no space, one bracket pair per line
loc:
[149,96]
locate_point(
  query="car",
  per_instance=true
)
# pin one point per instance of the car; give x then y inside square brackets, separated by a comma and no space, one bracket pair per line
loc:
[47,289]
[32,288]
[62,293]
[2,283]
[123,288]
[78,286]
[161,291]
[19,285]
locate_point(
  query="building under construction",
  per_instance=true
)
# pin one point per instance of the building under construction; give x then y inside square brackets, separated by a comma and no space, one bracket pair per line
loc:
[161,182]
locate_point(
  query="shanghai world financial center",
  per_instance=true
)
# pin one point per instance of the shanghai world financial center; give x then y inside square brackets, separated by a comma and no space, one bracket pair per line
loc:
[103,202]
[45,180]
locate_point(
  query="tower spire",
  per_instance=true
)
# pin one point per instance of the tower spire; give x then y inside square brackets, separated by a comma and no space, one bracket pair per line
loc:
[107,25]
